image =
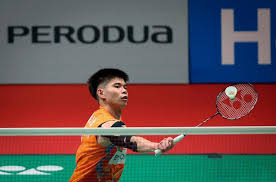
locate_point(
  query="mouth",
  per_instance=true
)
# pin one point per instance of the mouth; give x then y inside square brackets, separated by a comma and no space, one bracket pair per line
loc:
[124,98]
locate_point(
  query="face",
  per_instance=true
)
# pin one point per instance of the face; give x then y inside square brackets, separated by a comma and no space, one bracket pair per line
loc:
[114,93]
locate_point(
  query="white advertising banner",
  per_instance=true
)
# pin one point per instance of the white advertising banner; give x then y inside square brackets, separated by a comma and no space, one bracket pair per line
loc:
[66,41]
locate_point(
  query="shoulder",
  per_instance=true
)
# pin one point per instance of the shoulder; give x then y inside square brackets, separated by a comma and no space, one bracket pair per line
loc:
[99,117]
[109,124]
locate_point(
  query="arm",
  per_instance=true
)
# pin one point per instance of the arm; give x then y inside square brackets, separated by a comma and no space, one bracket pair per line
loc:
[144,145]
[141,144]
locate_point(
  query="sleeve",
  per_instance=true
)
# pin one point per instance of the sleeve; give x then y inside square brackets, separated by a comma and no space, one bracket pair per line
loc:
[97,119]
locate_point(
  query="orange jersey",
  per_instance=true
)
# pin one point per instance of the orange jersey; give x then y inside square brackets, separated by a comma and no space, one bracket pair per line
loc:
[96,162]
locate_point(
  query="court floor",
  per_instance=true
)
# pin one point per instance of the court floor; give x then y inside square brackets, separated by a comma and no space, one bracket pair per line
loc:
[168,168]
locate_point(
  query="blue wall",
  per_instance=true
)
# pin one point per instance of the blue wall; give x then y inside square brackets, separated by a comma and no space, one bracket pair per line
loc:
[205,42]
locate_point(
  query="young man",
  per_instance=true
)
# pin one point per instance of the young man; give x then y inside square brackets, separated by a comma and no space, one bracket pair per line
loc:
[102,158]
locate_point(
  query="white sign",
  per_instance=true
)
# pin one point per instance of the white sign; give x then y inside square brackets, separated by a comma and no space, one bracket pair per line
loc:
[261,36]
[67,41]
[21,170]
[119,157]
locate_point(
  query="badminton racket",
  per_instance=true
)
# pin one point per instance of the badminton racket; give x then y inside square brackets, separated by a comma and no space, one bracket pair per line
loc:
[234,102]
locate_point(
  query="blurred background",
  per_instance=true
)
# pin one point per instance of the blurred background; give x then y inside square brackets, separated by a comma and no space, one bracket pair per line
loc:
[179,55]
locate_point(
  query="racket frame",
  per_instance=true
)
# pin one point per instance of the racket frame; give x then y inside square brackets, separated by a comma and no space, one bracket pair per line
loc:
[180,137]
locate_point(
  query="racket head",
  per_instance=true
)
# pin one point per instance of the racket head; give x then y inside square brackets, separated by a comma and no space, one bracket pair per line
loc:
[241,105]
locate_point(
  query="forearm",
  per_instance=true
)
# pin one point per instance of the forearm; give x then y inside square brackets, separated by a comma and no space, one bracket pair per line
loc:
[144,145]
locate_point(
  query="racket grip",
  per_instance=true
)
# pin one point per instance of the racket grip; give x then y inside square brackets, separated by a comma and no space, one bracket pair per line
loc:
[175,141]
[178,139]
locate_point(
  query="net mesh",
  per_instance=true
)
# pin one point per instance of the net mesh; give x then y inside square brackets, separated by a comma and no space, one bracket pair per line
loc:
[213,158]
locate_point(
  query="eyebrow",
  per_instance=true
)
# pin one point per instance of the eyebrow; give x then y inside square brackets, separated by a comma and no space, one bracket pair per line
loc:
[120,83]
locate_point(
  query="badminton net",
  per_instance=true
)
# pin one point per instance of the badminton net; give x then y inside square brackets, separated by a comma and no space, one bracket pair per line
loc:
[212,154]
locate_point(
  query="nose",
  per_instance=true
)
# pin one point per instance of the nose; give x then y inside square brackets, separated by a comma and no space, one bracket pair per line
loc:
[124,90]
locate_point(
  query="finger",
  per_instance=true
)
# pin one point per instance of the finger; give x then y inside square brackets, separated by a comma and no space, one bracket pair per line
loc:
[166,144]
[170,138]
[170,141]
[163,145]
[160,146]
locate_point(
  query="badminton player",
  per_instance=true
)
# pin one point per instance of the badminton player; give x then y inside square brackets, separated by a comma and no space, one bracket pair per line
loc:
[102,158]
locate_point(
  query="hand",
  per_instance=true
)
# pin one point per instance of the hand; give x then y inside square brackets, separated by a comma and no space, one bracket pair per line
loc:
[166,144]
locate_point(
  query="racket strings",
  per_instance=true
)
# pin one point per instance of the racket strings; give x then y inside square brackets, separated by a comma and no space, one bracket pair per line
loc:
[242,104]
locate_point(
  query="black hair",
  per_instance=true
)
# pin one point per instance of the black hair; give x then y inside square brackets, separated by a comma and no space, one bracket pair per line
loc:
[102,76]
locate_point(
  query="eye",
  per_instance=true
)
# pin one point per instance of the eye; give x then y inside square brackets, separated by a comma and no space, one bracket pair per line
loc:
[117,85]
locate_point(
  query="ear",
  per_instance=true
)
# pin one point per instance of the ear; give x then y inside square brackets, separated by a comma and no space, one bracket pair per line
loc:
[100,93]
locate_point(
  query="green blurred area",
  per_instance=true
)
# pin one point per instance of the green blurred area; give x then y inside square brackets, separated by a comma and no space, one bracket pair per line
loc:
[169,168]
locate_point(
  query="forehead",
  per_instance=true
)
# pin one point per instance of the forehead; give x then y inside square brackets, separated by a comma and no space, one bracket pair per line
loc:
[116,80]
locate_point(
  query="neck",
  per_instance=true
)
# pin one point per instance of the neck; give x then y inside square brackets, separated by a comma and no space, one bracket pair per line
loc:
[114,111]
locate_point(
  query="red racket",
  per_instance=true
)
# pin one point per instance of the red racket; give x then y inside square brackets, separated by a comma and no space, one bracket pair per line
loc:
[237,107]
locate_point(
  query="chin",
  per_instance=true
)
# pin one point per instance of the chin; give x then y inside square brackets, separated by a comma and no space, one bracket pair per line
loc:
[123,105]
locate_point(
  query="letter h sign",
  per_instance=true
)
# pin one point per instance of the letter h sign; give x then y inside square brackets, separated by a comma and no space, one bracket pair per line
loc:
[229,36]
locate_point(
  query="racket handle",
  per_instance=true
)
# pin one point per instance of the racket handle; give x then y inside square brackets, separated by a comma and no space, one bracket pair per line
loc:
[175,141]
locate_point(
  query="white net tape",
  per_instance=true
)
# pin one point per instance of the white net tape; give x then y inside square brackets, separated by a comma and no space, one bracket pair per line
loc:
[138,131]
